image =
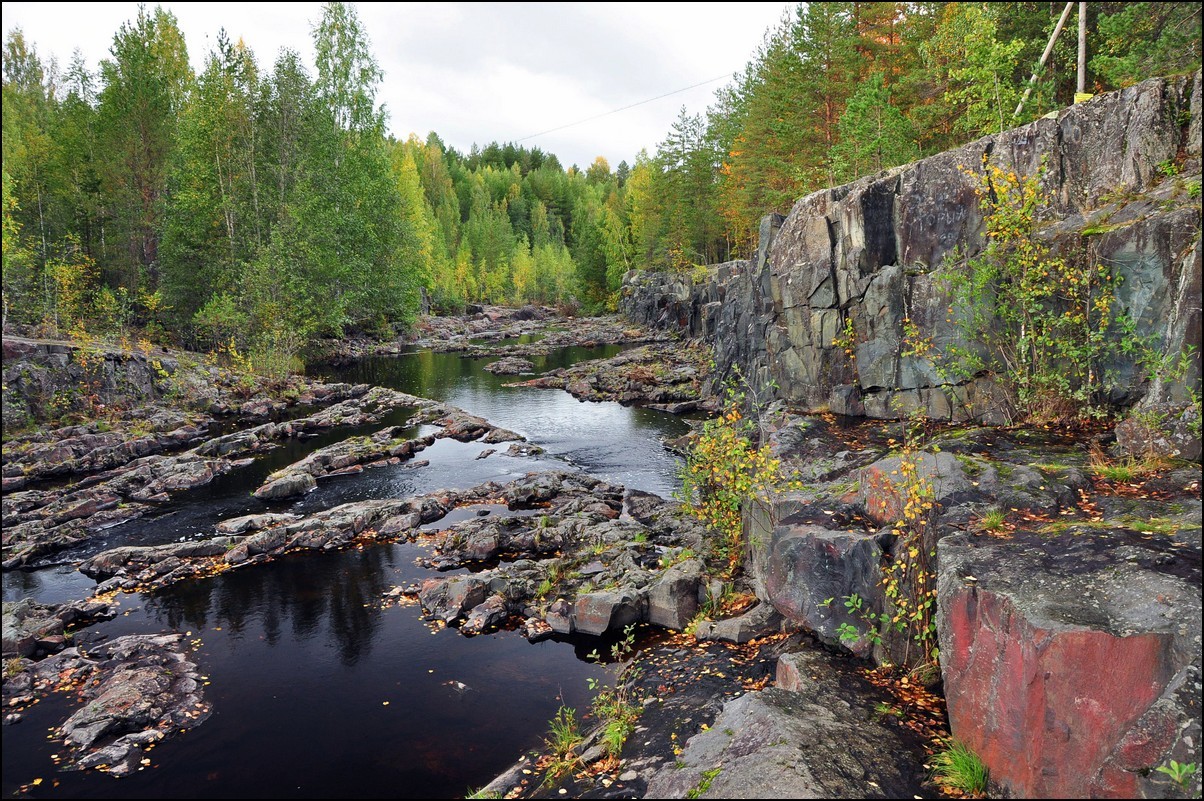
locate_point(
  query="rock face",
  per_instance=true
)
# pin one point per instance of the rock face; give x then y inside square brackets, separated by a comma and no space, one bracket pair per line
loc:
[873,252]
[40,375]
[812,570]
[1059,671]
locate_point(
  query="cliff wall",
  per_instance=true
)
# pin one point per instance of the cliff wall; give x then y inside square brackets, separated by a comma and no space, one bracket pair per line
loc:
[1120,175]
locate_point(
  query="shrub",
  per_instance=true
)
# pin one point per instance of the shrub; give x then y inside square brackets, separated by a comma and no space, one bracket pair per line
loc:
[1048,322]
[723,471]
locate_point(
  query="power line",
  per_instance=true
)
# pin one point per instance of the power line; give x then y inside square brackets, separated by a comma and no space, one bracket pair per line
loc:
[624,108]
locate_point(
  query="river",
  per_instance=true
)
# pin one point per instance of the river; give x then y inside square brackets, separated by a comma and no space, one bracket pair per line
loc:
[317,689]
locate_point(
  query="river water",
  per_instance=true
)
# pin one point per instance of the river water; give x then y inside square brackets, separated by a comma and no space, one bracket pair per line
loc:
[316,689]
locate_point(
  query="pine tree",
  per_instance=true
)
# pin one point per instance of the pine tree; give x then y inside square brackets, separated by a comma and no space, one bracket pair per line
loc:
[874,134]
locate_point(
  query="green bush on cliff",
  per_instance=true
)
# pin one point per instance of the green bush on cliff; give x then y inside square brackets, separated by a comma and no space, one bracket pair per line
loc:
[1048,322]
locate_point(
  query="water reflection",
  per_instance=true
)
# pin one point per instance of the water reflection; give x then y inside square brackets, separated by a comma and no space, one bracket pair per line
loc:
[317,690]
[615,442]
[309,593]
[302,660]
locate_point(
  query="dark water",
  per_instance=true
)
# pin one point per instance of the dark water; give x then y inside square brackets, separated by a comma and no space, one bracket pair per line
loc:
[301,655]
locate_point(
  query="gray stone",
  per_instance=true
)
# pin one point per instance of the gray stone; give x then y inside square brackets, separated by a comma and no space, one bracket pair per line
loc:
[1161,431]
[560,616]
[487,616]
[599,612]
[819,742]
[673,598]
[812,571]
[450,599]
[286,486]
[760,621]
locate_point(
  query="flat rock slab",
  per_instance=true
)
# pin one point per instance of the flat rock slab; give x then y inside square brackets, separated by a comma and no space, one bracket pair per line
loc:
[822,741]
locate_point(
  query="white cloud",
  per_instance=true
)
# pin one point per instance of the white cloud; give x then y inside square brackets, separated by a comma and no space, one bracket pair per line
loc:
[479,72]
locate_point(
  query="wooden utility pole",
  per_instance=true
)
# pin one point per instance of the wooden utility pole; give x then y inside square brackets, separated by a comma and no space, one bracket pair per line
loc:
[1044,57]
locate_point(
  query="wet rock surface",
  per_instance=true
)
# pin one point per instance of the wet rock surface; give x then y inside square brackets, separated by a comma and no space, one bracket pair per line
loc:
[36,630]
[134,691]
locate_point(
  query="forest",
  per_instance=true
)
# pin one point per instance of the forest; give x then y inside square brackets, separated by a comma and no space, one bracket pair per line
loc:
[260,206]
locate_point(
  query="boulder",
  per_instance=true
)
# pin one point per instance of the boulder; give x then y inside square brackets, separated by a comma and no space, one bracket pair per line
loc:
[673,598]
[883,487]
[1162,431]
[821,741]
[1063,670]
[559,616]
[760,621]
[143,687]
[241,525]
[812,571]
[451,599]
[511,365]
[486,616]
[599,612]
[286,486]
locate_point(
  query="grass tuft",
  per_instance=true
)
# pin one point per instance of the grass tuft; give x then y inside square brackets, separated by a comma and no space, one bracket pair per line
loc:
[959,768]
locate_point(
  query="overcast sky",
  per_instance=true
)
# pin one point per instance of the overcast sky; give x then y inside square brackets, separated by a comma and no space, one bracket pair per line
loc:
[479,72]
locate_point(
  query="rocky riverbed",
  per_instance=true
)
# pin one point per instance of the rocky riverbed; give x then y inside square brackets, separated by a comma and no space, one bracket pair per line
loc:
[1033,542]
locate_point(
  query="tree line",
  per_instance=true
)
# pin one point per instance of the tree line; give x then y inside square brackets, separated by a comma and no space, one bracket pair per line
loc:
[265,207]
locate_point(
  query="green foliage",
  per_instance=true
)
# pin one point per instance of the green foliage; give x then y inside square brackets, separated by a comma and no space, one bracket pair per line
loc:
[144,88]
[268,199]
[855,606]
[992,520]
[874,134]
[614,707]
[958,768]
[883,709]
[1180,773]
[1141,40]
[564,736]
[909,575]
[981,87]
[704,784]
[1049,322]
[725,470]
